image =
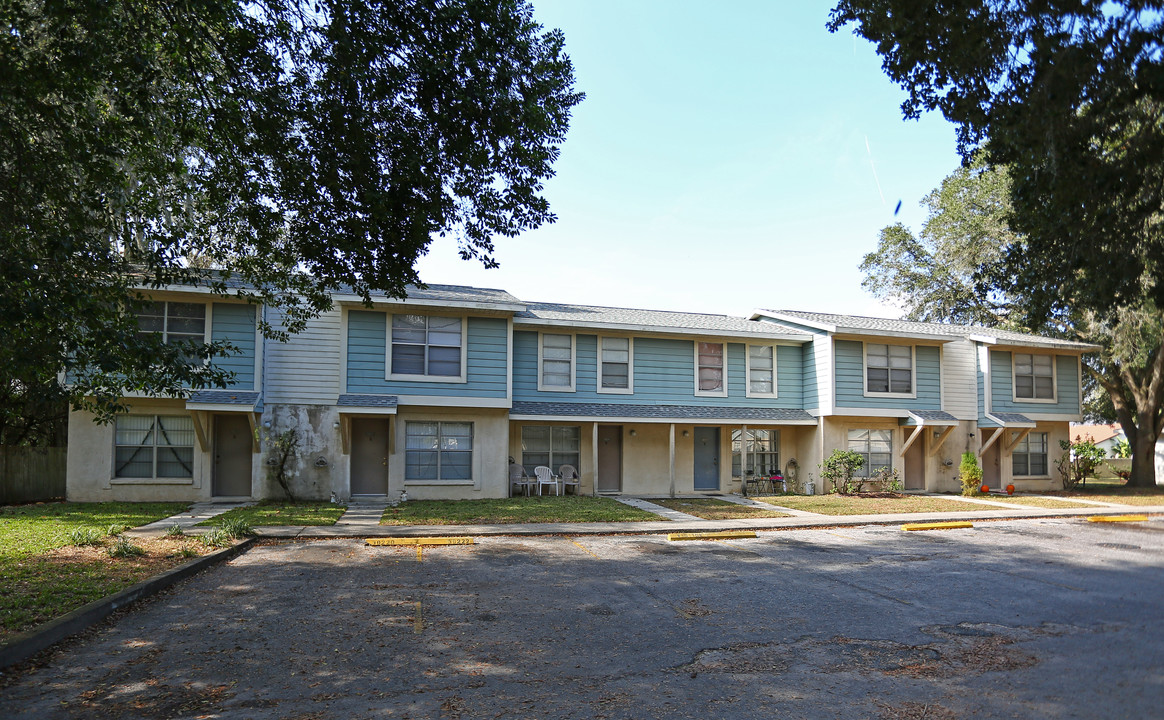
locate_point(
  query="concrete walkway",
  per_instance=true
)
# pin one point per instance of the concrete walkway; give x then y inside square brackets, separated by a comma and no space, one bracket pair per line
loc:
[362,519]
[187,520]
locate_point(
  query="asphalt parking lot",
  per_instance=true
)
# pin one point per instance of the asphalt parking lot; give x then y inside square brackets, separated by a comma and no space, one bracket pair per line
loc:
[1028,619]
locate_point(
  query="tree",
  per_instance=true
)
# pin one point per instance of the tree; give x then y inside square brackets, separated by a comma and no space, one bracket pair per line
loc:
[296,147]
[1070,97]
[932,277]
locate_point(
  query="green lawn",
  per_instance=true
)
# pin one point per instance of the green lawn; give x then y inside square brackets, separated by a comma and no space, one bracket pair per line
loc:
[564,509]
[712,509]
[1115,492]
[282,513]
[848,505]
[41,577]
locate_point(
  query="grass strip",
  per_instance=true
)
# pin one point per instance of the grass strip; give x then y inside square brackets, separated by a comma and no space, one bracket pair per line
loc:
[713,509]
[853,505]
[503,511]
[282,513]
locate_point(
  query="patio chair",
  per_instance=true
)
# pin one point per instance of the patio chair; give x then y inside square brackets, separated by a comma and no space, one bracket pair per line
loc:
[518,478]
[569,477]
[546,477]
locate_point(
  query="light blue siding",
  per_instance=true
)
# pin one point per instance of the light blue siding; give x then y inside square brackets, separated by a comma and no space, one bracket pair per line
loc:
[236,324]
[1066,391]
[809,376]
[664,374]
[849,371]
[486,357]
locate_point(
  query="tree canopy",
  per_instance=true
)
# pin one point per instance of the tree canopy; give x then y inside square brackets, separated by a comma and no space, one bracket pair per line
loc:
[295,147]
[1070,97]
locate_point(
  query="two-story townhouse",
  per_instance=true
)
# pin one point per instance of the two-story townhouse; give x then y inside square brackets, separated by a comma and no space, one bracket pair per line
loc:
[914,396]
[184,449]
[654,402]
[434,395]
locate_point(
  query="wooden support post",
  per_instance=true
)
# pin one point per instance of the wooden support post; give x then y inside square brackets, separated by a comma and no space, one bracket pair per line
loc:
[937,444]
[346,434]
[253,420]
[986,445]
[200,429]
[1018,439]
[910,440]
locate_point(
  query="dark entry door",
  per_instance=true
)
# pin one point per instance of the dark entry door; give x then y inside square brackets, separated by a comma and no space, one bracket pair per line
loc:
[610,458]
[232,456]
[369,456]
[706,458]
[915,466]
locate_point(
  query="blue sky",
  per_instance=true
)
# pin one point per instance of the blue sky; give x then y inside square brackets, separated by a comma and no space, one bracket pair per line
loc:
[727,156]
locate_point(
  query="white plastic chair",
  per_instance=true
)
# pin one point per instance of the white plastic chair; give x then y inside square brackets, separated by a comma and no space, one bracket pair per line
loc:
[569,476]
[519,479]
[546,477]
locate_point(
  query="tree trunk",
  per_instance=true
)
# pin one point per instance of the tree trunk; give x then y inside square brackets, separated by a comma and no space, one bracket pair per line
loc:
[1143,459]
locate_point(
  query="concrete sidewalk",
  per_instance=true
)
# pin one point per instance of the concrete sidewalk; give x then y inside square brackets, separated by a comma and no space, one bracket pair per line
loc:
[186,520]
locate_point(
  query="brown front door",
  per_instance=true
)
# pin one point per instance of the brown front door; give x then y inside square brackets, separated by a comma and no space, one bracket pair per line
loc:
[610,458]
[991,468]
[232,456]
[369,456]
[915,465]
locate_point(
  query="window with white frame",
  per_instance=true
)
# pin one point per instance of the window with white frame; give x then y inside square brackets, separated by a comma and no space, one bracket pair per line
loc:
[153,446]
[889,369]
[614,369]
[762,450]
[710,368]
[762,370]
[427,345]
[557,362]
[1034,376]
[875,446]
[175,321]
[550,445]
[1029,458]
[438,451]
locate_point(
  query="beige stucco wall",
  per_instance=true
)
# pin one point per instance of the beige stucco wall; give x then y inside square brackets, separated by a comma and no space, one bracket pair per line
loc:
[940,465]
[490,461]
[90,463]
[1056,431]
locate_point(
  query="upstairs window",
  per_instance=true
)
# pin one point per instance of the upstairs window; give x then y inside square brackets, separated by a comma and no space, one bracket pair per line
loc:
[427,345]
[761,371]
[615,365]
[556,362]
[709,369]
[889,369]
[1029,458]
[1034,377]
[175,321]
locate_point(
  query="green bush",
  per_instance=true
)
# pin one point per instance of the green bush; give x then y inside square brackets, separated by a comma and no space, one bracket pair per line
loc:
[114,530]
[86,536]
[237,528]
[839,468]
[175,531]
[123,548]
[970,474]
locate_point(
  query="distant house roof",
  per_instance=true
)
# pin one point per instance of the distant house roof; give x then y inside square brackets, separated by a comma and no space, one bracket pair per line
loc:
[658,413]
[870,325]
[572,315]
[1097,433]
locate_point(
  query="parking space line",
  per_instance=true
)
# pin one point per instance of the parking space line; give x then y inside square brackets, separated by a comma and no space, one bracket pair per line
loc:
[584,548]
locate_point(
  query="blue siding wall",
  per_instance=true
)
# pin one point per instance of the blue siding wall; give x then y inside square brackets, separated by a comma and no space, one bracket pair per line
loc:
[368,357]
[236,325]
[811,395]
[1066,391]
[664,374]
[849,372]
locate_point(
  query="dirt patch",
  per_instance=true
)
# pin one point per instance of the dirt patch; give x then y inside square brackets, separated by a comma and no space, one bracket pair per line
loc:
[916,711]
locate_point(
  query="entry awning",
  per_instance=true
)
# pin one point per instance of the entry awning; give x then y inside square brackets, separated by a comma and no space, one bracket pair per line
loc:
[703,414]
[931,418]
[350,404]
[225,401]
[1007,420]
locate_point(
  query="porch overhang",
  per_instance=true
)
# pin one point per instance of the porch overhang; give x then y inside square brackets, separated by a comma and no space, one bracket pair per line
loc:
[349,404]
[696,414]
[931,418]
[203,403]
[1007,420]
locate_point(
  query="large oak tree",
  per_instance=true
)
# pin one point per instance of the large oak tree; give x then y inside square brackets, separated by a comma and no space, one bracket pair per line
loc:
[295,146]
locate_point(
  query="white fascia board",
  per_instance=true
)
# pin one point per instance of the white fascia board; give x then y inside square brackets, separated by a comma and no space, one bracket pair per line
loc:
[220,407]
[452,401]
[1060,349]
[848,333]
[655,330]
[759,313]
[870,412]
[1004,424]
[922,422]
[364,410]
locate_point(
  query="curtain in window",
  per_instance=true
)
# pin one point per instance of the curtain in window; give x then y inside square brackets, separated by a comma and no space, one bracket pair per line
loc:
[710,366]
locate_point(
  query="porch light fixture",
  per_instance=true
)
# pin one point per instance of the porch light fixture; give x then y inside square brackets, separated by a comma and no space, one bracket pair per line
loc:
[686,433]
[633,432]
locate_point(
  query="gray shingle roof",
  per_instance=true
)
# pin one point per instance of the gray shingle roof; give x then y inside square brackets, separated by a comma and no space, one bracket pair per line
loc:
[857,322]
[663,412]
[935,417]
[663,319]
[349,400]
[224,397]
[1008,418]
[462,293]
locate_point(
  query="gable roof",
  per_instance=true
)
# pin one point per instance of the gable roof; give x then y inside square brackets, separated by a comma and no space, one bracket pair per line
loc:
[856,324]
[663,321]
